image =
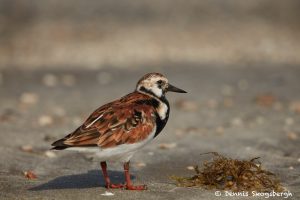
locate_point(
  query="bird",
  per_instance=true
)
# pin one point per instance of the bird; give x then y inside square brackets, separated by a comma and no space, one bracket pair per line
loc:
[117,130]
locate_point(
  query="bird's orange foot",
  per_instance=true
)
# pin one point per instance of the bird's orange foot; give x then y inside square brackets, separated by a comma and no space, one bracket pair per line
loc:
[136,187]
[114,186]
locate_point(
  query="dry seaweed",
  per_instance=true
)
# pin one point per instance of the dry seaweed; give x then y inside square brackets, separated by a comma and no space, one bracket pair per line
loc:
[230,174]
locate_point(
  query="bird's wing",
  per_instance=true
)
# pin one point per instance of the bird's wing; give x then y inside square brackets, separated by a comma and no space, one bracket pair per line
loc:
[124,121]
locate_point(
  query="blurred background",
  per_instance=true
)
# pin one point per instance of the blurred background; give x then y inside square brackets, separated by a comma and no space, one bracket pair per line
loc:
[135,33]
[60,60]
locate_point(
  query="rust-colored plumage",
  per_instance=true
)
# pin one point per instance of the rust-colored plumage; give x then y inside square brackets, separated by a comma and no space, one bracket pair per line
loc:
[124,121]
[123,126]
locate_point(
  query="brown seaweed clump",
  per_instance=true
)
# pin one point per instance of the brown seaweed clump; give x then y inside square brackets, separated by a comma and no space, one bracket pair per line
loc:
[230,174]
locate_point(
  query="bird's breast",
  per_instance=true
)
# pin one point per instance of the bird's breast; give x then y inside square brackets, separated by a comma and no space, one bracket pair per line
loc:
[162,116]
[162,111]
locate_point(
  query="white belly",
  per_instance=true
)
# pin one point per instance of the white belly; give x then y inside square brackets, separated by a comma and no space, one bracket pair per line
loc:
[121,152]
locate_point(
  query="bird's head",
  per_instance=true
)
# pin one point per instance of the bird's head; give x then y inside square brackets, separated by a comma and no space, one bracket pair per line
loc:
[156,84]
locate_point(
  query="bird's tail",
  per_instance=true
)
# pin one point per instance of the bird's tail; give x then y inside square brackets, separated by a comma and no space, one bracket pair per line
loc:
[59,145]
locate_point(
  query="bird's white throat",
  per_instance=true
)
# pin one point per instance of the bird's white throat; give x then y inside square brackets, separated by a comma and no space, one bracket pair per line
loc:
[157,91]
[162,110]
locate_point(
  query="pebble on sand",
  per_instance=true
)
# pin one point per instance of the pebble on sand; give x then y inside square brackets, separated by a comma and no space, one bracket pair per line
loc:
[167,145]
[265,100]
[45,120]
[27,148]
[292,136]
[295,106]
[237,121]
[50,154]
[140,164]
[212,103]
[29,175]
[50,80]
[190,168]
[220,130]
[29,98]
[59,111]
[289,121]
[106,193]
[186,105]
[228,102]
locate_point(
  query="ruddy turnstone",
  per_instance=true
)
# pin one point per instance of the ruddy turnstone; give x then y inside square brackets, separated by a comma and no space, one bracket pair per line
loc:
[116,130]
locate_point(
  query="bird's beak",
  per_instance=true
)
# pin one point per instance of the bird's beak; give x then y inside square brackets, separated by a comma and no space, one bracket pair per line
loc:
[172,88]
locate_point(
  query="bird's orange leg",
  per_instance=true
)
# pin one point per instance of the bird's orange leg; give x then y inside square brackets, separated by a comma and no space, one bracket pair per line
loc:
[108,184]
[129,185]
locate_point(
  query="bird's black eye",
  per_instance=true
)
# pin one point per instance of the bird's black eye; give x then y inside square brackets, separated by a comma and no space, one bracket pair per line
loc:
[159,82]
